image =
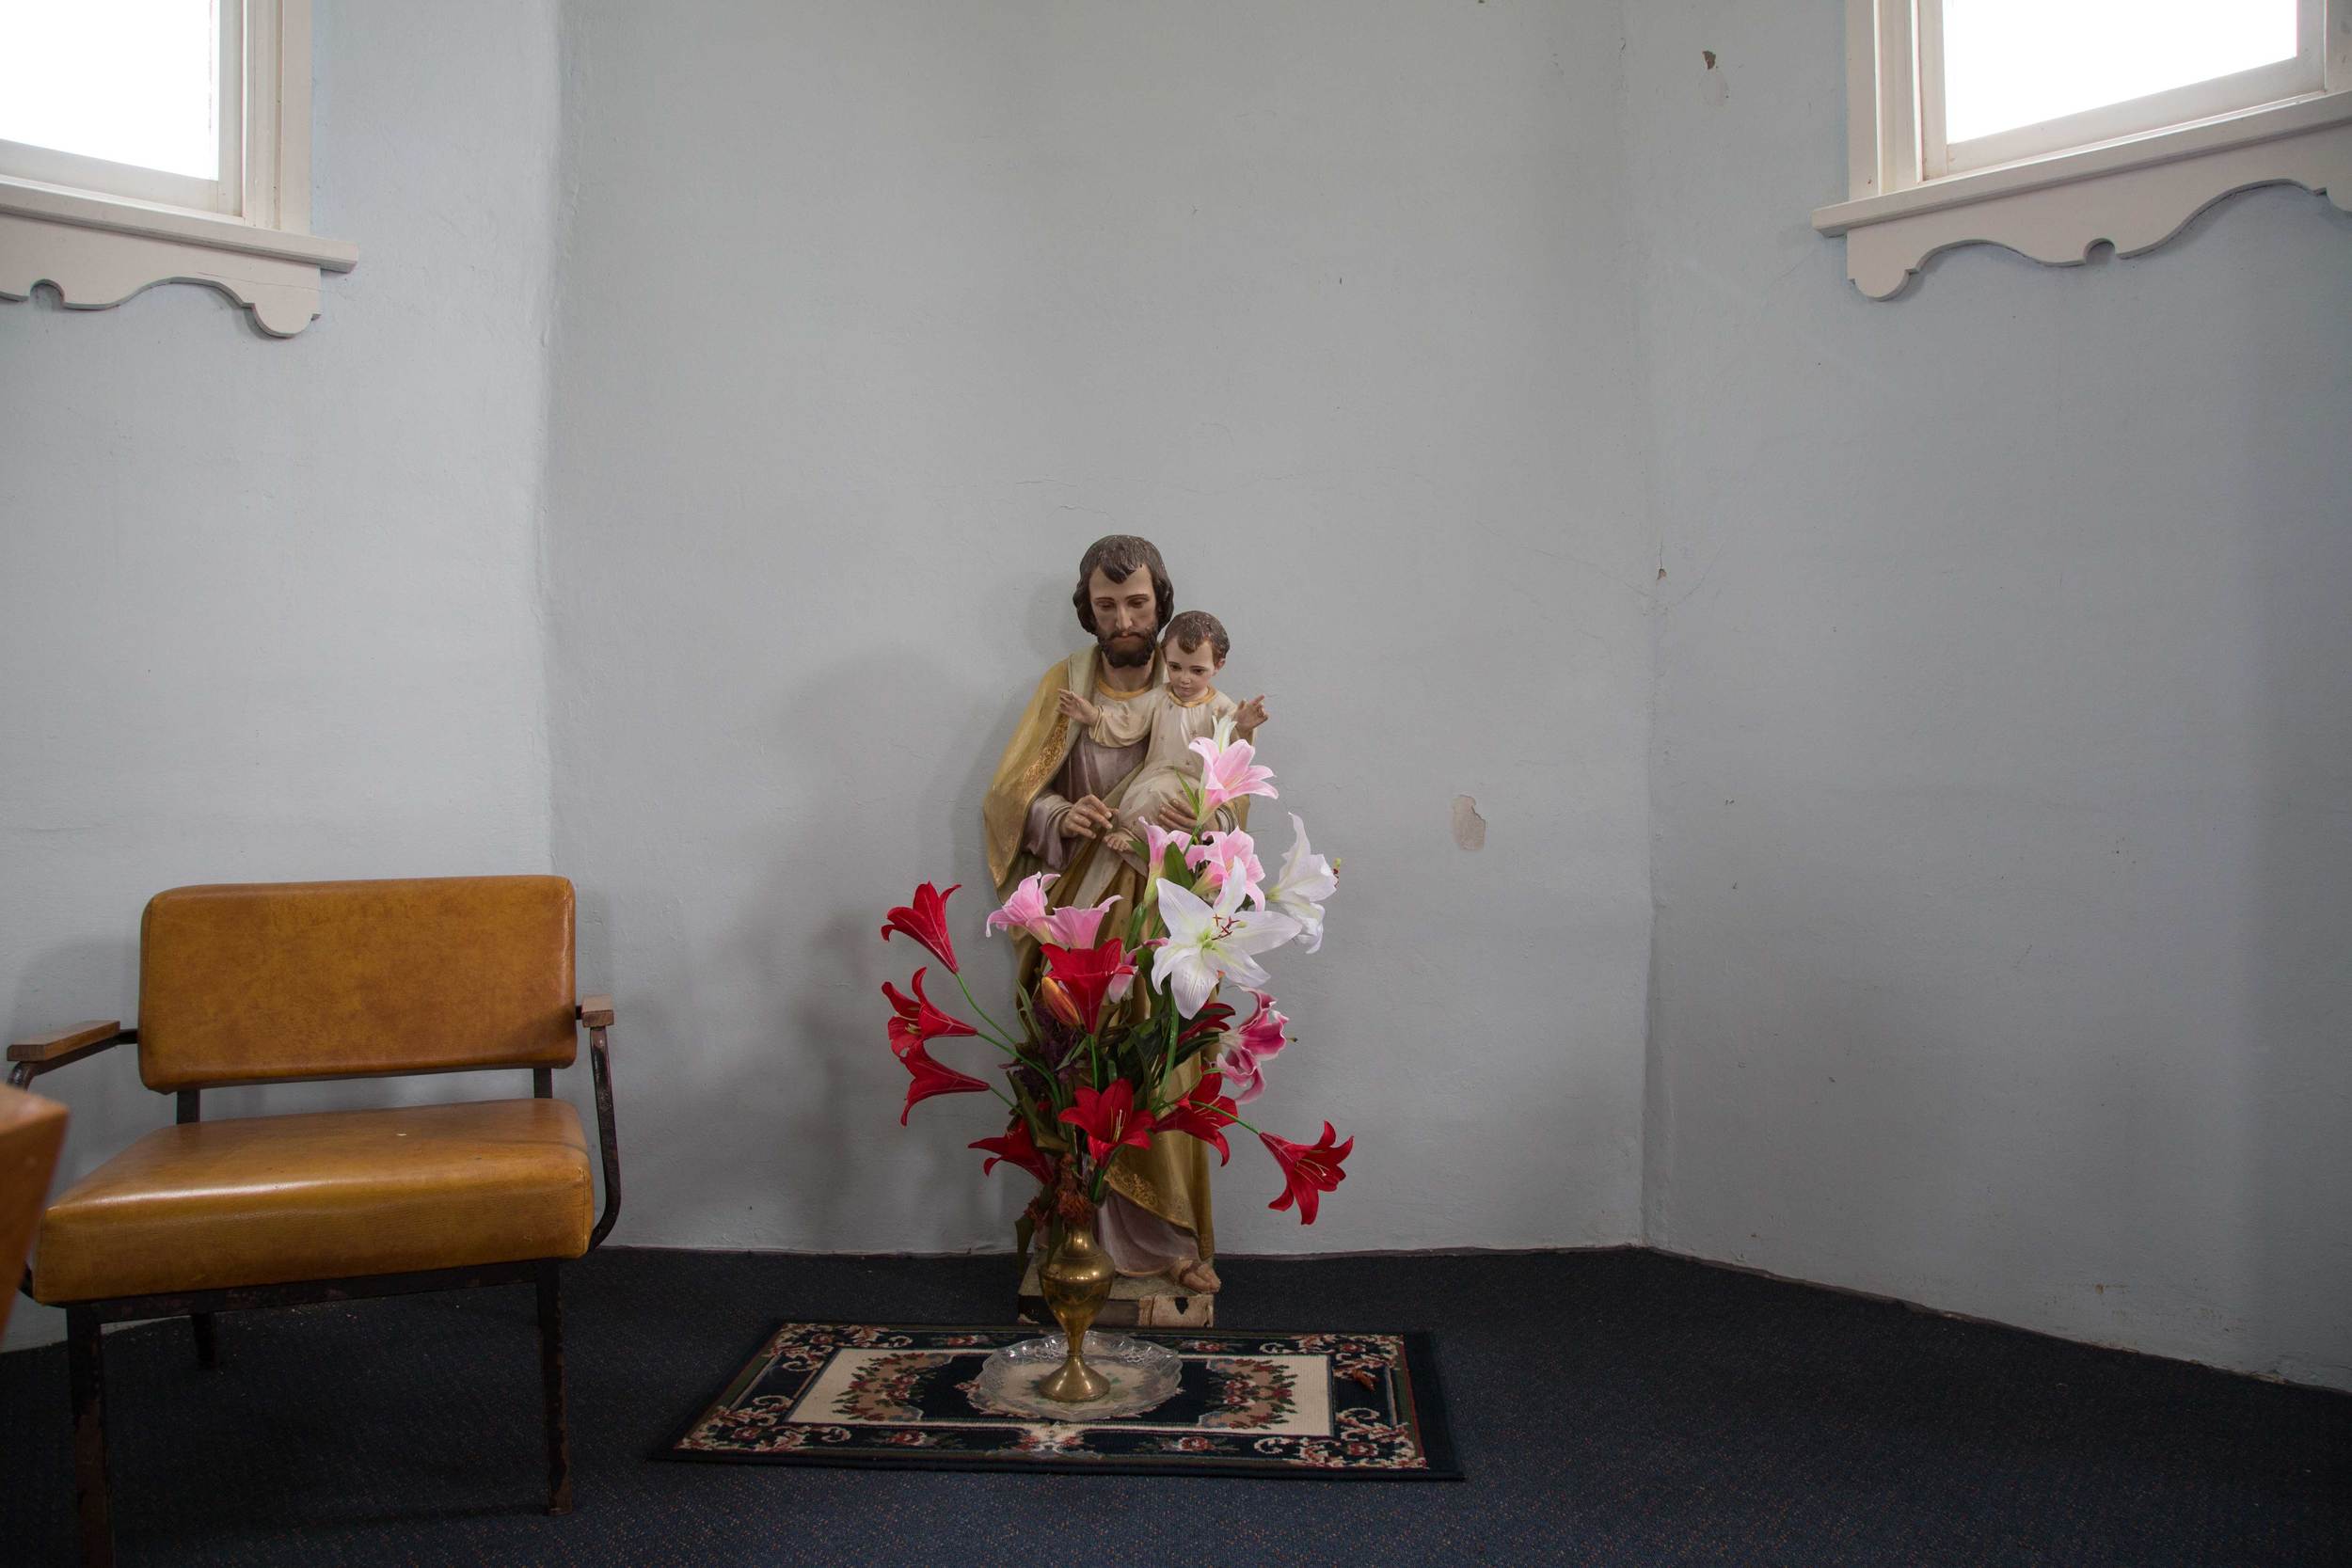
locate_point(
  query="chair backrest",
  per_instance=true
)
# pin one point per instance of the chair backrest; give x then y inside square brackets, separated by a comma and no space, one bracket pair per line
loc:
[262,982]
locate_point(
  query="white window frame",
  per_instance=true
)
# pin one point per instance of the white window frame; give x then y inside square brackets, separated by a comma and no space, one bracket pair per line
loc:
[2130,175]
[100,232]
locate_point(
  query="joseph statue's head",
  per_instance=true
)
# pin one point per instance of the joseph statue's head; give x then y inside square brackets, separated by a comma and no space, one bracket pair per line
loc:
[1123,597]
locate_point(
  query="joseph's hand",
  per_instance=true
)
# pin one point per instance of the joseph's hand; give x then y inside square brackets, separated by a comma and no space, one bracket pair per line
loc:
[1176,817]
[1085,818]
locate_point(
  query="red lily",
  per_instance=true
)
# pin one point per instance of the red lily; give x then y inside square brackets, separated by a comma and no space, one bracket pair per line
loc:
[1210,1019]
[925,922]
[1018,1148]
[917,1020]
[1109,1120]
[1204,1112]
[1087,974]
[932,1077]
[1309,1171]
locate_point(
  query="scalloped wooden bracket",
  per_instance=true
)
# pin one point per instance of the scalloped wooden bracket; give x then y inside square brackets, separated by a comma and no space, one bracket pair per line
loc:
[93,272]
[98,251]
[2135,208]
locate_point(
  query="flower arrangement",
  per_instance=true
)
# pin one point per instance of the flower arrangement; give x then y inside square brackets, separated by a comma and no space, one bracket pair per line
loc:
[1087,1070]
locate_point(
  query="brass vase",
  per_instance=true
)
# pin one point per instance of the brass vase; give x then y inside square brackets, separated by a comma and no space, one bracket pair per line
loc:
[1076,1281]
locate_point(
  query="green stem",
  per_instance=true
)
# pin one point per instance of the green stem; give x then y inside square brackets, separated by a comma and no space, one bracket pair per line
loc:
[974,1002]
[1167,1054]
[1004,1045]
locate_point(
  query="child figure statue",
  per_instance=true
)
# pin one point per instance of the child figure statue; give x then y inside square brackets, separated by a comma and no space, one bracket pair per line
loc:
[1185,709]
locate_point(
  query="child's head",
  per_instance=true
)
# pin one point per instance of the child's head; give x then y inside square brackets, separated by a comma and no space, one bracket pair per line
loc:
[1194,650]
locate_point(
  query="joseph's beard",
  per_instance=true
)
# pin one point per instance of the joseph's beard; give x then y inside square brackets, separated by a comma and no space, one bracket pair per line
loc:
[1126,650]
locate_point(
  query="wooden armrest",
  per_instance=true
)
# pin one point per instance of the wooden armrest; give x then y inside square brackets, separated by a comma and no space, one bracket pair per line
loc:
[596,1011]
[61,1043]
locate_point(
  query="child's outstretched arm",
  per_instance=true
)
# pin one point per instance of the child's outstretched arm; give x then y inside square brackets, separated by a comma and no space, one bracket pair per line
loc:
[1247,717]
[1079,709]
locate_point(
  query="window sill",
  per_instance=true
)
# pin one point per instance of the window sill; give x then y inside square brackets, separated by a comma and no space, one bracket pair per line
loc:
[2134,193]
[98,251]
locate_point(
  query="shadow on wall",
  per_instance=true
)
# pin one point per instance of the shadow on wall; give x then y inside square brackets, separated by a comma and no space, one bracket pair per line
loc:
[814,1070]
[2297,572]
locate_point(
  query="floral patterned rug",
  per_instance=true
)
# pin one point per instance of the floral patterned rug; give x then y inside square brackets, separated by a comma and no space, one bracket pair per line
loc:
[1325,1405]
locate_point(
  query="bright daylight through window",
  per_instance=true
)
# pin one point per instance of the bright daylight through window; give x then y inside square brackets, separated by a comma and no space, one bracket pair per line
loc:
[2051,125]
[128,81]
[2018,77]
[2009,63]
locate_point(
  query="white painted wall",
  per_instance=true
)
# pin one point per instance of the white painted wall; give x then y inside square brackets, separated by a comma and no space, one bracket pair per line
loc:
[2003,747]
[271,609]
[873,316]
[1998,772]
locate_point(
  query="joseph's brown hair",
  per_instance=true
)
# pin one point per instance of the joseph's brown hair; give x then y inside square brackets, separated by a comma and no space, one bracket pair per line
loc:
[1117,556]
[1195,626]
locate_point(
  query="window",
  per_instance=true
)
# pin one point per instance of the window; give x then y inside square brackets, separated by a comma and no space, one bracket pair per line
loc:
[125,96]
[145,141]
[2053,126]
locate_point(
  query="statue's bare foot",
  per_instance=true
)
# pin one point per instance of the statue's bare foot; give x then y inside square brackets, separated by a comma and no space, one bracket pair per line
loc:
[1199,1276]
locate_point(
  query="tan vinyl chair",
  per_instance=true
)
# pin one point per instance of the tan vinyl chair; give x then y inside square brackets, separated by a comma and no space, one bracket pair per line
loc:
[279,983]
[32,1130]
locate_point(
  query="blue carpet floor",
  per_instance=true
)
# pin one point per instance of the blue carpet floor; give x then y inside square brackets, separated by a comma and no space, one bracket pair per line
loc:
[1609,1407]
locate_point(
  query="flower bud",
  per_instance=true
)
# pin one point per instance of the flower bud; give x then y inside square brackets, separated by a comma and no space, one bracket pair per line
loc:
[1055,1000]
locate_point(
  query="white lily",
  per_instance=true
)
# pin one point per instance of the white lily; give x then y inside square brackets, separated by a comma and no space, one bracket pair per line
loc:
[1207,944]
[1305,881]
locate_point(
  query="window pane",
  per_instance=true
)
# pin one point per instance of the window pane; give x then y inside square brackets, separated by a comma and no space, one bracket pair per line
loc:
[2018,62]
[130,81]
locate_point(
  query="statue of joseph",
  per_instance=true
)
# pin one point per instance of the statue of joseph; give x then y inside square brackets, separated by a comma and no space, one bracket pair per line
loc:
[1052,799]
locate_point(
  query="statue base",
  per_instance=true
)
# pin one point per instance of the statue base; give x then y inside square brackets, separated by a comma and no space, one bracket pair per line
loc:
[1154,1301]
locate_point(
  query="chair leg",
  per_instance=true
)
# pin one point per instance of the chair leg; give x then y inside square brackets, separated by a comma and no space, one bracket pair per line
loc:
[86,1374]
[207,1339]
[551,1387]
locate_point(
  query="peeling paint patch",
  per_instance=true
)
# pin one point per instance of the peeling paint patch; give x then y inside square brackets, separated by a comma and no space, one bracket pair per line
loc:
[1469,829]
[1711,57]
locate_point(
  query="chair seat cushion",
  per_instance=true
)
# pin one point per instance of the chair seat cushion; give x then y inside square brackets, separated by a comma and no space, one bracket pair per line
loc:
[330,1195]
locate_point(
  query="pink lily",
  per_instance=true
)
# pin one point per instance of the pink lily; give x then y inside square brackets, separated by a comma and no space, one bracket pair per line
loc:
[1156,840]
[1221,857]
[1246,1050]
[1075,927]
[1229,771]
[1027,908]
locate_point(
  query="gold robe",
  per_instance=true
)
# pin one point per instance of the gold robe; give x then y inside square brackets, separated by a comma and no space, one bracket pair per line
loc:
[1171,1178]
